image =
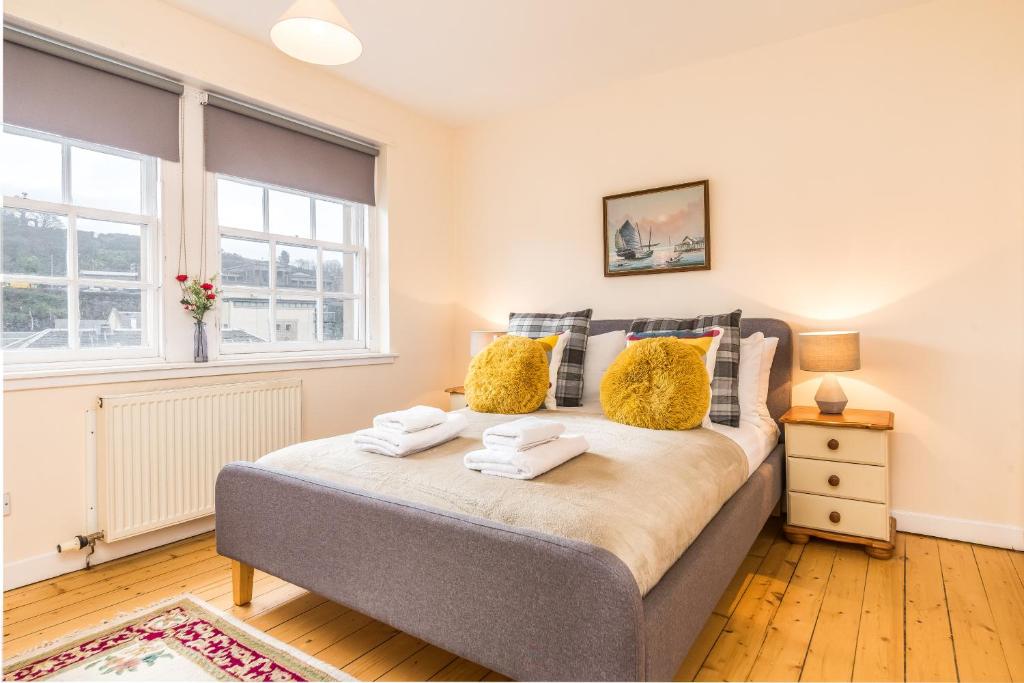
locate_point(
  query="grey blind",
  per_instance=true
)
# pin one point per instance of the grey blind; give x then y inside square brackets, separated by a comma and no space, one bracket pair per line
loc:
[87,97]
[249,142]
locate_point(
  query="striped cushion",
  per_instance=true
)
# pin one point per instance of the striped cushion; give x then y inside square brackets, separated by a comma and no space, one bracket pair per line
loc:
[569,387]
[725,398]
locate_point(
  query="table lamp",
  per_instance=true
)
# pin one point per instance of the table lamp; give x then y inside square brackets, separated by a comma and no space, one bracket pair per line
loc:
[830,352]
[478,339]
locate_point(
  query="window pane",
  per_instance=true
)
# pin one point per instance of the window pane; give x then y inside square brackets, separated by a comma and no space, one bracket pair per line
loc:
[289,214]
[339,271]
[244,320]
[340,320]
[295,321]
[106,181]
[330,221]
[108,250]
[296,267]
[31,168]
[35,243]
[35,316]
[355,223]
[244,262]
[239,205]
[109,317]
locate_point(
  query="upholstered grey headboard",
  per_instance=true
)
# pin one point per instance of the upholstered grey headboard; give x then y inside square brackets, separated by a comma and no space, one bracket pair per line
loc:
[780,382]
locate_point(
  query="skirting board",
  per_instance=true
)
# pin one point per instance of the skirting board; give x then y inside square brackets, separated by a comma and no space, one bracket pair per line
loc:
[983,533]
[49,565]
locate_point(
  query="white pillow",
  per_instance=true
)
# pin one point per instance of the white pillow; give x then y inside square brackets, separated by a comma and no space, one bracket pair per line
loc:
[751,352]
[553,365]
[602,350]
[767,357]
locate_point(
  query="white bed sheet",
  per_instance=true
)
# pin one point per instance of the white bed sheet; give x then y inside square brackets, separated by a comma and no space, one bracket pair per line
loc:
[757,436]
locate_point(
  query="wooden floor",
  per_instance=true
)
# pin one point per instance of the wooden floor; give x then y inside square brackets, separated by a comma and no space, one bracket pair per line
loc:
[940,610]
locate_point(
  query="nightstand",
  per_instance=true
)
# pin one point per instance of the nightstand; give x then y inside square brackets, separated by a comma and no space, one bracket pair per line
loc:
[837,478]
[456,397]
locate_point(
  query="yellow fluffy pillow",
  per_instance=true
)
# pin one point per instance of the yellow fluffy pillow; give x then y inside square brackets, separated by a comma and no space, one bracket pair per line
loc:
[510,376]
[658,384]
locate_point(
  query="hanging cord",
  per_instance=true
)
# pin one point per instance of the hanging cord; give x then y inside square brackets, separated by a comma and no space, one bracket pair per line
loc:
[182,242]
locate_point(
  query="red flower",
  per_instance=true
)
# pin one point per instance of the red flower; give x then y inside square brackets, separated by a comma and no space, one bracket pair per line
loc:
[207,286]
[181,278]
[211,297]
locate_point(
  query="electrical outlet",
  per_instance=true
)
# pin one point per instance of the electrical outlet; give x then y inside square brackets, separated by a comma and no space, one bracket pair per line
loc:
[7,504]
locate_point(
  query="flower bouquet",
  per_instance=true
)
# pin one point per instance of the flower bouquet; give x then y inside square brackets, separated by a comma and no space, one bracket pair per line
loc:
[198,298]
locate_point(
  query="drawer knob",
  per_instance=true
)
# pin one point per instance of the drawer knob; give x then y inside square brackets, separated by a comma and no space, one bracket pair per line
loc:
[833,445]
[834,517]
[833,480]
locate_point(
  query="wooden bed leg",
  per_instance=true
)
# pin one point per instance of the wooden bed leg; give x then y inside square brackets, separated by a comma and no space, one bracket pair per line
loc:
[241,582]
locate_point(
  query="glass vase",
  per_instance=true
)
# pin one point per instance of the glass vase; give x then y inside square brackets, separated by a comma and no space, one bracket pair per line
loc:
[199,342]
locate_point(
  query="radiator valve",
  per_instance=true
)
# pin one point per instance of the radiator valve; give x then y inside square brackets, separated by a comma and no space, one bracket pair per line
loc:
[79,543]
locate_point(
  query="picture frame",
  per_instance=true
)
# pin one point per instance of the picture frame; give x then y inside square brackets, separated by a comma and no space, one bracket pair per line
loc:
[674,220]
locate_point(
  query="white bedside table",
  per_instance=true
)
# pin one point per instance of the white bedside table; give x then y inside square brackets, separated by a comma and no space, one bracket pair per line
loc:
[456,397]
[837,478]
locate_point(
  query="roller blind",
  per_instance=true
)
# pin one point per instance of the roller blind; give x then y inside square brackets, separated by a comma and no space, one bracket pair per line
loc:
[56,88]
[254,143]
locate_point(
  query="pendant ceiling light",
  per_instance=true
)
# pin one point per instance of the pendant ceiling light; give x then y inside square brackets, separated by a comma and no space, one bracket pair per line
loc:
[316,31]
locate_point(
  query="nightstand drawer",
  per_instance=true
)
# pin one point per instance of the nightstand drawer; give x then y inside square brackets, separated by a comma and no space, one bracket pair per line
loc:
[841,479]
[837,443]
[853,517]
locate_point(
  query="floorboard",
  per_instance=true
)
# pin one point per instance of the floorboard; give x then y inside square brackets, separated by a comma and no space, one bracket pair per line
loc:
[880,642]
[929,639]
[939,610]
[979,654]
[1005,594]
[833,646]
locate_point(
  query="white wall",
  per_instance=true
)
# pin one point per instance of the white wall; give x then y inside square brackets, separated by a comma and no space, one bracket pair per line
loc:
[44,430]
[868,176]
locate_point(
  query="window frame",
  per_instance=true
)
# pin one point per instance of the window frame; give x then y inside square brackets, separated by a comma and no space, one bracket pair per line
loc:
[149,282]
[364,282]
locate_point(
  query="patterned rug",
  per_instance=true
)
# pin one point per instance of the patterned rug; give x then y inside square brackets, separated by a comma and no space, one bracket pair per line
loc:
[183,639]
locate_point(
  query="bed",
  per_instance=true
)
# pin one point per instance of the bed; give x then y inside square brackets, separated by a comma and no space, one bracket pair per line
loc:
[528,604]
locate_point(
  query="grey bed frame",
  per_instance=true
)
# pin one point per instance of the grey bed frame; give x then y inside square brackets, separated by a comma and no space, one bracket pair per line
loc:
[525,604]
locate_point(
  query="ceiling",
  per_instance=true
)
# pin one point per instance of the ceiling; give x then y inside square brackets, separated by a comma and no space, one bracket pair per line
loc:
[463,61]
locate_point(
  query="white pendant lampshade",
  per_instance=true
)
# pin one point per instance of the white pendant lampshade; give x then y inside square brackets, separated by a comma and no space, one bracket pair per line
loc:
[316,31]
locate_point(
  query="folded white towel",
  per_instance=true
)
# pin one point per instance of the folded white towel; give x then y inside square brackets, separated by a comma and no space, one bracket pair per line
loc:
[411,420]
[529,463]
[518,434]
[400,444]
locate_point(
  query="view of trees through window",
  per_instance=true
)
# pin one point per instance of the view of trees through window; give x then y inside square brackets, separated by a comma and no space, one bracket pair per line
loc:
[73,265]
[78,255]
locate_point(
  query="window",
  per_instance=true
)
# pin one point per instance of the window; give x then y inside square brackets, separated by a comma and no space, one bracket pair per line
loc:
[293,269]
[79,235]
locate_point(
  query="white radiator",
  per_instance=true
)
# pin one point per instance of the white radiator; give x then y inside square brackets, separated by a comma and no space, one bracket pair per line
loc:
[160,452]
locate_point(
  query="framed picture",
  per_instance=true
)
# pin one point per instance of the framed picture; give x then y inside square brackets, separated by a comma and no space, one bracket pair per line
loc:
[661,230]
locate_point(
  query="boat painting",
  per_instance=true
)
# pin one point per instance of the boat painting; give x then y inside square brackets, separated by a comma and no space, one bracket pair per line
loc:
[660,230]
[629,246]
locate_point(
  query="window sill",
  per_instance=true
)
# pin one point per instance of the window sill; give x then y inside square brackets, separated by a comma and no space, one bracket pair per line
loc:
[20,378]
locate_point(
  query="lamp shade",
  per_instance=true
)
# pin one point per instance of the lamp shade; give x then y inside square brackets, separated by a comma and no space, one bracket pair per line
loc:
[316,31]
[829,351]
[478,339]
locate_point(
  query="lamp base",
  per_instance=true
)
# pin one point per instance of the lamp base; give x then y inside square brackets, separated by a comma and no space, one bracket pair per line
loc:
[830,397]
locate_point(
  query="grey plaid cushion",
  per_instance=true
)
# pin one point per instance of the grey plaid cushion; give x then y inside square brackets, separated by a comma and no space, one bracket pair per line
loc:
[725,397]
[569,387]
